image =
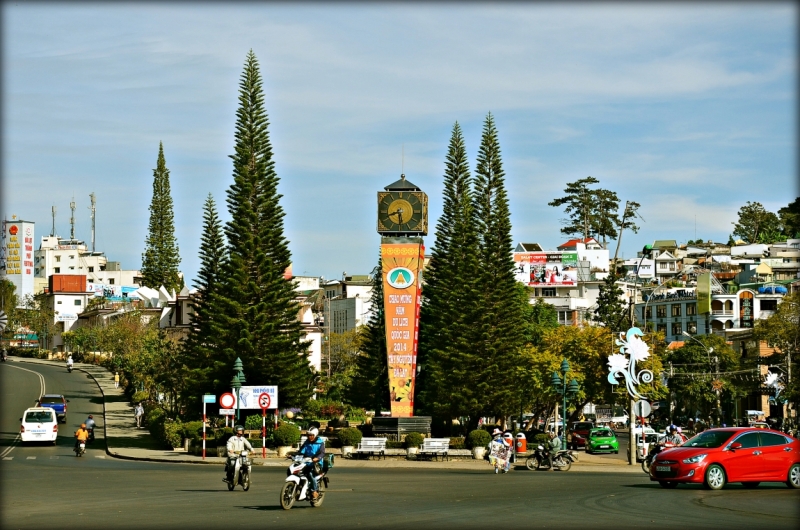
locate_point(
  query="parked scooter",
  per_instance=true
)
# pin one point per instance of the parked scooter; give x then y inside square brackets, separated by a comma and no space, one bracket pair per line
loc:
[242,476]
[80,449]
[297,487]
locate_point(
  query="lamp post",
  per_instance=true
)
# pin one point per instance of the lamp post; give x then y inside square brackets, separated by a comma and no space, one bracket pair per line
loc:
[561,386]
[236,382]
[709,351]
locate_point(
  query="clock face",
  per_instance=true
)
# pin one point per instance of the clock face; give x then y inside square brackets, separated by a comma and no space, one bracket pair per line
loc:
[402,212]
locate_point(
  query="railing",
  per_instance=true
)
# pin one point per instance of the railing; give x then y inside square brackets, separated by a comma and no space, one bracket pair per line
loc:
[722,312]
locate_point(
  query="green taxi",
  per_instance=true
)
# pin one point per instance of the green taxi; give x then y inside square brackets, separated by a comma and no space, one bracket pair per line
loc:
[602,440]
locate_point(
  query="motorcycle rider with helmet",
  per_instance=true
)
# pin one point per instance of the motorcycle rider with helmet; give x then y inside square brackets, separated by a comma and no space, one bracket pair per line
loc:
[81,435]
[313,448]
[90,424]
[236,444]
[673,439]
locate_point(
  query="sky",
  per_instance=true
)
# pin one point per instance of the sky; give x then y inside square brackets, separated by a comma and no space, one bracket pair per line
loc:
[688,109]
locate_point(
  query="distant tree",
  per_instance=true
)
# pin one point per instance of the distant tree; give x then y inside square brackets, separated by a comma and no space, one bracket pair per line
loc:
[790,219]
[342,351]
[611,311]
[8,304]
[539,317]
[37,316]
[257,312]
[161,258]
[782,331]
[753,221]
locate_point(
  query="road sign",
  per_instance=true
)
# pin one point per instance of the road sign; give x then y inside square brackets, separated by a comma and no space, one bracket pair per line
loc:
[227,412]
[209,398]
[642,408]
[248,396]
[264,401]
[227,401]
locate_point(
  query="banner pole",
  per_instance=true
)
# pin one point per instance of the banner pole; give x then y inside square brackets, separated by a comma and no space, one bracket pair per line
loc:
[204,429]
[263,433]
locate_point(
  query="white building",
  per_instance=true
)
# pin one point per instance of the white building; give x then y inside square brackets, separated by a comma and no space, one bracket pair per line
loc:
[72,256]
[348,303]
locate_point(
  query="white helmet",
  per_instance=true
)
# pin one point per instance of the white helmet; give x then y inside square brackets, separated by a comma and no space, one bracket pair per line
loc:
[313,431]
[496,432]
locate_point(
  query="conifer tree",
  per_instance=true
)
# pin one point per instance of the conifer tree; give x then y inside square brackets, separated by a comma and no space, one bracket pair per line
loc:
[451,303]
[611,311]
[369,387]
[501,321]
[160,259]
[257,313]
[201,345]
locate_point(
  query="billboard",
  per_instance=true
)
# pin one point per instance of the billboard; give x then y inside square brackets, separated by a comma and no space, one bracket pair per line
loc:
[704,293]
[746,309]
[546,269]
[18,254]
[249,397]
[402,263]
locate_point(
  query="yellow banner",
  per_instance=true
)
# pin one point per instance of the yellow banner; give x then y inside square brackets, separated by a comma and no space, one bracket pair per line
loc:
[402,263]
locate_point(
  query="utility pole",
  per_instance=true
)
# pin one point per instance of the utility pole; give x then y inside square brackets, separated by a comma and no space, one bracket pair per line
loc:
[717,390]
[92,208]
[72,219]
[53,230]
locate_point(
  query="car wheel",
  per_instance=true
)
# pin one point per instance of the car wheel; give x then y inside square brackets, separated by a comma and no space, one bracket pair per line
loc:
[750,485]
[715,477]
[667,484]
[793,479]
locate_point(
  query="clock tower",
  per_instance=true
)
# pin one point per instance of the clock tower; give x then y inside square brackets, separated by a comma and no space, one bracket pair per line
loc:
[402,221]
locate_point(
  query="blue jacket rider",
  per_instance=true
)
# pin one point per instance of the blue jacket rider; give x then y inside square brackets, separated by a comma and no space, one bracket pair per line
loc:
[313,448]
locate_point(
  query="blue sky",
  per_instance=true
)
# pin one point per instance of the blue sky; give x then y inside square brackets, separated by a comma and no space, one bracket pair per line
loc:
[688,109]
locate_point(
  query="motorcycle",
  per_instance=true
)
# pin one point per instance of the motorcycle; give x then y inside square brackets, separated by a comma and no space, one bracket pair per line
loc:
[297,487]
[562,460]
[4,357]
[241,472]
[69,368]
[652,451]
[80,449]
[537,459]
[91,435]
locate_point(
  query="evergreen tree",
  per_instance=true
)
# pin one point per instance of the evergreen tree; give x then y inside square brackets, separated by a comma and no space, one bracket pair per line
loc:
[201,345]
[611,311]
[369,387]
[501,324]
[257,313]
[451,303]
[161,258]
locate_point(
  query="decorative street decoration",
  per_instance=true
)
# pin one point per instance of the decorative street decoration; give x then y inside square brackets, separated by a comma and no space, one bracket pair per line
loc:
[716,385]
[774,381]
[623,364]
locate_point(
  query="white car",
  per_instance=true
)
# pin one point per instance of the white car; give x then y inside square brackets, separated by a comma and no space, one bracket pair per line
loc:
[39,424]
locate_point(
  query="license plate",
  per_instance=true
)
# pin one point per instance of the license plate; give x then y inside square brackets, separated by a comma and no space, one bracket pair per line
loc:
[603,447]
[663,468]
[38,434]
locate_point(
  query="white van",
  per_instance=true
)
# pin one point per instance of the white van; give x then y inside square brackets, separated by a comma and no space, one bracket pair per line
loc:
[39,424]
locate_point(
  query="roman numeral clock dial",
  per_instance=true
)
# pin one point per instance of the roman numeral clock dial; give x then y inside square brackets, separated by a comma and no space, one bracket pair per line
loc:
[402,210]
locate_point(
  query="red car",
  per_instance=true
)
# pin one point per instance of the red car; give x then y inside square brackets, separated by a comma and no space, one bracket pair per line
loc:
[579,434]
[718,456]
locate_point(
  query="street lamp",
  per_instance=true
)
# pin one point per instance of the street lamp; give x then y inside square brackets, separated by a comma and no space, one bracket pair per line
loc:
[709,351]
[236,382]
[566,390]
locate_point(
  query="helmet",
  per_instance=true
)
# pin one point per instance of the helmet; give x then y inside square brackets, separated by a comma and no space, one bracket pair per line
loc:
[672,428]
[496,431]
[313,431]
[83,425]
[238,428]
[90,416]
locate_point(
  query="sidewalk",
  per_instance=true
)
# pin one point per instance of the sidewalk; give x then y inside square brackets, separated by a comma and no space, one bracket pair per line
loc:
[125,441]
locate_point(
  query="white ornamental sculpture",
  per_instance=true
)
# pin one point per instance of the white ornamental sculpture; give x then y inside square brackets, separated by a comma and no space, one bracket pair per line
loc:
[623,364]
[774,381]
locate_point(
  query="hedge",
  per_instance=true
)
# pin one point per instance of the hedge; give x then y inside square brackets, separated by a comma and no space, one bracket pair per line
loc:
[286,435]
[413,439]
[478,438]
[349,436]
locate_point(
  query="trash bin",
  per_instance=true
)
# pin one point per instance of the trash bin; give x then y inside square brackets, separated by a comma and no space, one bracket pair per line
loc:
[522,443]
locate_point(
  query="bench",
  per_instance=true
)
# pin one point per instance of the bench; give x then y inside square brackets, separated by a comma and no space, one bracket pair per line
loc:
[372,446]
[435,447]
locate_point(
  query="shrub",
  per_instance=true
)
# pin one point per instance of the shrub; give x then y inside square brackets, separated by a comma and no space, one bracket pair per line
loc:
[331,410]
[222,435]
[253,422]
[478,438]
[286,435]
[392,444]
[413,439]
[193,430]
[311,409]
[541,439]
[349,436]
[457,442]
[173,430]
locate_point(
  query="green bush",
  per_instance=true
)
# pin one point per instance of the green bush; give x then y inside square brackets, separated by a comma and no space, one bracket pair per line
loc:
[286,435]
[139,397]
[541,439]
[392,444]
[413,439]
[457,442]
[349,436]
[311,409]
[222,435]
[193,430]
[478,438]
[253,422]
[173,430]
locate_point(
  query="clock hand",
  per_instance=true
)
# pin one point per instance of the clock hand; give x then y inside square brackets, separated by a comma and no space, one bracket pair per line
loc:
[399,214]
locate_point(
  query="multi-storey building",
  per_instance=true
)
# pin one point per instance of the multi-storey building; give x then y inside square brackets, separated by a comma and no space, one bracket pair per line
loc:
[71,256]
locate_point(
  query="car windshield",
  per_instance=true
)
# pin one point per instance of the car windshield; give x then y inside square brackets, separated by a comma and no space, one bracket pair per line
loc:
[582,426]
[602,433]
[51,399]
[39,417]
[709,439]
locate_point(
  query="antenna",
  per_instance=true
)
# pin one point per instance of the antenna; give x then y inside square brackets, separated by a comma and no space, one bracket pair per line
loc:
[403,159]
[92,209]
[53,230]
[72,219]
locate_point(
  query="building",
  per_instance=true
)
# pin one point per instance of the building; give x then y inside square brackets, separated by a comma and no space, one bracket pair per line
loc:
[71,256]
[16,256]
[347,303]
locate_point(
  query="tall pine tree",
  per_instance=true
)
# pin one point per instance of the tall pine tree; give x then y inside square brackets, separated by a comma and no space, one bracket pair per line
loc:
[451,304]
[501,322]
[201,345]
[369,387]
[257,314]
[160,259]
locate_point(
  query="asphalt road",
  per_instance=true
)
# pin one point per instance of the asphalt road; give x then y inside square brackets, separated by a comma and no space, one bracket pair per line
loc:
[48,487]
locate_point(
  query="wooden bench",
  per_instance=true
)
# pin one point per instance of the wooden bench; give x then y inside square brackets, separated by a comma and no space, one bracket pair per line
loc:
[435,447]
[372,446]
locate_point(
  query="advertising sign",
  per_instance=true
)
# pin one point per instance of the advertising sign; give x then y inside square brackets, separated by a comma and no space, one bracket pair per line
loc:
[18,252]
[547,269]
[402,263]
[704,293]
[746,309]
[249,396]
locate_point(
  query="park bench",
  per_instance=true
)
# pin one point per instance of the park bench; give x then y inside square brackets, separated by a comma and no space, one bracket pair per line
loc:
[435,447]
[372,446]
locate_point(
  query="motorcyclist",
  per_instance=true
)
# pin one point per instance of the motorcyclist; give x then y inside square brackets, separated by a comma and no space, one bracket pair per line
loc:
[69,363]
[673,439]
[313,448]
[5,355]
[551,448]
[81,435]
[236,444]
[90,424]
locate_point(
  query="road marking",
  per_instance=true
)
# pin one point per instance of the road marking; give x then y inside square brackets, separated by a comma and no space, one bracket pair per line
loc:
[8,458]
[99,456]
[31,458]
[41,393]
[54,458]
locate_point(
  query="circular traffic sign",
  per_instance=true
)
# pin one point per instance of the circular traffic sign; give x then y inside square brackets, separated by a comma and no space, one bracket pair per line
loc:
[264,400]
[642,408]
[227,401]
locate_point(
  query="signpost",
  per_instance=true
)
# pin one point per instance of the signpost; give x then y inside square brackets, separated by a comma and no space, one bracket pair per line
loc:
[207,398]
[264,400]
[226,403]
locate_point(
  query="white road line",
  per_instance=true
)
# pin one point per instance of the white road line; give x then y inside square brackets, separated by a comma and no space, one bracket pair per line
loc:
[41,393]
[31,458]
[8,458]
[99,456]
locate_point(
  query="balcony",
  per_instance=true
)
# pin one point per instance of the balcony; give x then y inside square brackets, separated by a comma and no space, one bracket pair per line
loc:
[722,313]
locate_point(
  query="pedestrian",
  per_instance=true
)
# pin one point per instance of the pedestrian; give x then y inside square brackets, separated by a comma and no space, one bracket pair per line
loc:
[138,414]
[116,379]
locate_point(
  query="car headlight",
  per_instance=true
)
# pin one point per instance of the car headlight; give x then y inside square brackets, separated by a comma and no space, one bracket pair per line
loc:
[694,459]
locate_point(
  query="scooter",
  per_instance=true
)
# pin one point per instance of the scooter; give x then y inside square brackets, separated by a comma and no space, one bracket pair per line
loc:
[562,460]
[652,451]
[91,435]
[69,368]
[537,459]
[297,487]
[80,449]
[242,476]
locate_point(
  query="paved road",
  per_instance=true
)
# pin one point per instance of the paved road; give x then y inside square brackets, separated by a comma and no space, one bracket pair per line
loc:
[49,487]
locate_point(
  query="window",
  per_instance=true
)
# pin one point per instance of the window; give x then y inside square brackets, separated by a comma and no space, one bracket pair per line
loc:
[662,328]
[91,269]
[72,256]
[661,311]
[676,328]
[691,309]
[767,439]
[768,305]
[58,259]
[57,270]
[77,302]
[111,281]
[662,266]
[676,310]
[548,292]
[748,440]
[691,327]
[648,312]
[58,302]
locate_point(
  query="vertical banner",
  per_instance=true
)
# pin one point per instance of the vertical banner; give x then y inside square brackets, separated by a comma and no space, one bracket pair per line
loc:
[704,293]
[402,263]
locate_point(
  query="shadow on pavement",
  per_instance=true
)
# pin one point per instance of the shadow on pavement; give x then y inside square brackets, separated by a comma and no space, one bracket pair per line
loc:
[274,508]
[136,442]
